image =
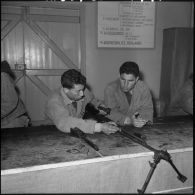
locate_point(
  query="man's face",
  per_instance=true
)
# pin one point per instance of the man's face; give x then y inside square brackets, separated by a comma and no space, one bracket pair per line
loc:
[128,81]
[76,93]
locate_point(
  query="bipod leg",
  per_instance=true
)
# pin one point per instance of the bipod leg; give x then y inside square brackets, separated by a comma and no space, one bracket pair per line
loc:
[181,177]
[153,166]
[166,156]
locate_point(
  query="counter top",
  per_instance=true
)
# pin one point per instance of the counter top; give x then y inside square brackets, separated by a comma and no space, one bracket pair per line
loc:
[25,147]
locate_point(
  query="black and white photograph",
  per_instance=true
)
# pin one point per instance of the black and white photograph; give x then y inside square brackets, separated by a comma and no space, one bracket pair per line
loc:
[97,97]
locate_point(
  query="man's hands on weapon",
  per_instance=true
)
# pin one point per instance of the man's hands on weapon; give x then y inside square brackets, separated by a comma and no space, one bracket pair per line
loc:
[127,121]
[107,128]
[138,121]
[103,110]
[135,120]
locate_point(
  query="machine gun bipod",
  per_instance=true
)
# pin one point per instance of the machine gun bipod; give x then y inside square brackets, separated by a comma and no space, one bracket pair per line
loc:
[158,156]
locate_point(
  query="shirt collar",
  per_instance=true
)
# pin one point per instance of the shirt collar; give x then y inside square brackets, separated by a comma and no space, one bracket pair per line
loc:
[65,97]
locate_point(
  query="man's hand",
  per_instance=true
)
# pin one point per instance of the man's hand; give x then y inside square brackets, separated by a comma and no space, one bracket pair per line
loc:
[107,128]
[137,121]
[103,109]
[127,121]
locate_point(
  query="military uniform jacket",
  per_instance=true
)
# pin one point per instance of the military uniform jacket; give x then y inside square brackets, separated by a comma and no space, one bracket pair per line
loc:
[141,102]
[65,116]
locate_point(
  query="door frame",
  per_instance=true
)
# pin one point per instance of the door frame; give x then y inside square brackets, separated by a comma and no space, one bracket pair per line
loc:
[15,19]
[21,13]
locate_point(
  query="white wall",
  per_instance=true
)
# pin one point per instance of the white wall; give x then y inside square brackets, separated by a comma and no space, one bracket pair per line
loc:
[102,64]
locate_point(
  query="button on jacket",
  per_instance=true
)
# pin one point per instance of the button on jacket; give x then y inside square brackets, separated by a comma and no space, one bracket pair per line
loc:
[141,101]
[60,110]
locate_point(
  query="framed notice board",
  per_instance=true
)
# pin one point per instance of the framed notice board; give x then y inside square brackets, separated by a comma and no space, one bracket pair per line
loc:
[126,24]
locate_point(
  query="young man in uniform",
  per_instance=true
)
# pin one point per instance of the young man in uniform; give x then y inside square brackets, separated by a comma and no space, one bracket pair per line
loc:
[129,98]
[66,106]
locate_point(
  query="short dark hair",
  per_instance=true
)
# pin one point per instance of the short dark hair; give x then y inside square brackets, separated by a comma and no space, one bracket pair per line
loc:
[71,77]
[129,68]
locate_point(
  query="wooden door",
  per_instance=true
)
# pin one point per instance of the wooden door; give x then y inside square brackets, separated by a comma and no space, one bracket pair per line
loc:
[40,41]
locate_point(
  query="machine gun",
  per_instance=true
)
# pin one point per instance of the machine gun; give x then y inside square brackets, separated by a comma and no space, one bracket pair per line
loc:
[93,113]
[159,155]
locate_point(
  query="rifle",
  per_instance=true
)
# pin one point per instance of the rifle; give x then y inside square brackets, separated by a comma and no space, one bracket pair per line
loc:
[159,155]
[76,132]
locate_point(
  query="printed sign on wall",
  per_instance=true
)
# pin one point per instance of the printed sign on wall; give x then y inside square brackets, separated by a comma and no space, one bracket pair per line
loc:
[126,24]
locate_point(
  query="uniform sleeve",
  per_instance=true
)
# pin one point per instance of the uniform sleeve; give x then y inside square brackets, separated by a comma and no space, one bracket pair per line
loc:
[145,107]
[64,122]
[110,102]
[9,96]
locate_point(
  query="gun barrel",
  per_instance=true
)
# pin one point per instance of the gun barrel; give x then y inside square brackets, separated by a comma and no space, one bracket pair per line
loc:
[136,139]
[91,143]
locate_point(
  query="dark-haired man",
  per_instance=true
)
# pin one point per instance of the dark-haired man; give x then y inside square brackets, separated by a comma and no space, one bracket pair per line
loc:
[129,98]
[66,106]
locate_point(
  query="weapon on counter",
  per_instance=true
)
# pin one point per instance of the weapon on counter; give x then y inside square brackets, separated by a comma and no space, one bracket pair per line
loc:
[158,155]
[76,132]
[92,112]
[106,110]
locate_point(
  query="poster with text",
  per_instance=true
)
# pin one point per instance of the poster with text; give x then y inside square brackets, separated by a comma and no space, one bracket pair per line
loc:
[126,24]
